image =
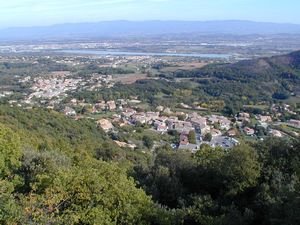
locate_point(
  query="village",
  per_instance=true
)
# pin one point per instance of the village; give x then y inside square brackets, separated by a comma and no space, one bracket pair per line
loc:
[186,126]
[191,129]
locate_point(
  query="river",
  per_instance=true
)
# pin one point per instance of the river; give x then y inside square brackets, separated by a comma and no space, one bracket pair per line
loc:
[123,53]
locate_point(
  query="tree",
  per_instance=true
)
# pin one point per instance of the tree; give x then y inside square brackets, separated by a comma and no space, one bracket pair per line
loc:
[91,192]
[240,169]
[192,137]
[10,152]
[10,211]
[148,142]
[207,137]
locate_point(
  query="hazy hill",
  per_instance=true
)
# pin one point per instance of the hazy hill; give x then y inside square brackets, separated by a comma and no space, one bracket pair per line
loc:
[246,82]
[275,77]
[266,68]
[129,28]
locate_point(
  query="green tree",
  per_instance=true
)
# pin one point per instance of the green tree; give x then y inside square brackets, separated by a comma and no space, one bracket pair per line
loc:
[10,210]
[92,192]
[10,152]
[192,137]
[207,137]
[240,169]
[148,142]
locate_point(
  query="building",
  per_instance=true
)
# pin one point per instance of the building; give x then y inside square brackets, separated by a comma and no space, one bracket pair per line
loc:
[198,121]
[265,119]
[128,112]
[180,126]
[276,133]
[215,132]
[204,129]
[150,116]
[244,115]
[231,132]
[125,145]
[294,123]
[105,124]
[68,111]
[224,122]
[249,131]
[111,105]
[160,126]
[160,108]
[98,107]
[184,139]
[139,118]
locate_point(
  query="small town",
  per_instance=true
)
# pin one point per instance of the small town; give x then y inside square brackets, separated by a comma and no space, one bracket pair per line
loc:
[193,129]
[184,126]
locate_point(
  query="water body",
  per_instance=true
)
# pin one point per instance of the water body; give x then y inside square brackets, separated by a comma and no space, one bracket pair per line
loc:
[122,53]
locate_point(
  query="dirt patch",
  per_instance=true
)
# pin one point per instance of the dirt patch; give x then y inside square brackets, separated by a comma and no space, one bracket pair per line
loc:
[184,66]
[129,78]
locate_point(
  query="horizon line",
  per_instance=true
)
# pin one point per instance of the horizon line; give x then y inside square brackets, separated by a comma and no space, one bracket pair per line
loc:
[141,21]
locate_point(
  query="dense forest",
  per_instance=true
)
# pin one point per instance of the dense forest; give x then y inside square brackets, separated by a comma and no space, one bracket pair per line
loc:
[55,170]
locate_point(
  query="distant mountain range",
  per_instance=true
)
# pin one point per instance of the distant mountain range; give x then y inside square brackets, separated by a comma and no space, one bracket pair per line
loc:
[130,28]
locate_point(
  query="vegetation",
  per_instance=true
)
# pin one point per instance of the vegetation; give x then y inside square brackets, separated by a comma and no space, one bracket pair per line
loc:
[55,170]
[61,171]
[217,87]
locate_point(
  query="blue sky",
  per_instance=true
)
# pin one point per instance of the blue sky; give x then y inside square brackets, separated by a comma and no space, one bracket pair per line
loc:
[47,12]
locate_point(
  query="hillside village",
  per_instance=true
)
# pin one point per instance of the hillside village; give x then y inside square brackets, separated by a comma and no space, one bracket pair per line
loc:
[185,126]
[193,129]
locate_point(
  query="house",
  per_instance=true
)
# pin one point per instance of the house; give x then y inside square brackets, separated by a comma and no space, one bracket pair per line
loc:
[225,123]
[152,116]
[134,101]
[184,139]
[185,106]
[213,119]
[167,111]
[244,115]
[105,124]
[294,123]
[160,126]
[122,102]
[215,132]
[276,133]
[160,108]
[74,101]
[128,112]
[162,118]
[249,131]
[198,121]
[175,118]
[111,105]
[125,145]
[139,118]
[222,120]
[181,126]
[231,132]
[264,119]
[204,129]
[100,106]
[182,114]
[68,111]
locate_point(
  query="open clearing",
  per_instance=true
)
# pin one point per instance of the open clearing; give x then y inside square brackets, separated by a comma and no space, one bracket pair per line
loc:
[129,78]
[184,66]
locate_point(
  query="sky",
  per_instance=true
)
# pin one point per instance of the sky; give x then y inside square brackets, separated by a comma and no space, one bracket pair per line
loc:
[15,13]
